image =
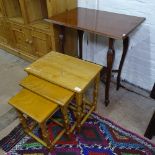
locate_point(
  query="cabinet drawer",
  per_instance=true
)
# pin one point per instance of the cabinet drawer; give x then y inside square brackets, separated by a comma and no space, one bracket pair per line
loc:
[17,27]
[3,31]
[39,35]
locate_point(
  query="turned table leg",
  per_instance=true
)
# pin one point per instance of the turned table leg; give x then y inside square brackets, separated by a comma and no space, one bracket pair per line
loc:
[80,36]
[125,49]
[96,90]
[23,121]
[64,111]
[110,61]
[79,98]
[45,134]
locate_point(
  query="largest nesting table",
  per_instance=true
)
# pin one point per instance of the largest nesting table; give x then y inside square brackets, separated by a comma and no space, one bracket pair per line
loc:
[72,74]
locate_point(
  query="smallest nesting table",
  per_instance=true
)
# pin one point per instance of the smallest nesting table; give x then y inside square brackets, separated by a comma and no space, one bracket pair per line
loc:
[72,74]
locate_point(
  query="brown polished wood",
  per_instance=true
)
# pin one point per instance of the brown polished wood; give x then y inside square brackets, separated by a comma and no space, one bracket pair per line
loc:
[80,35]
[112,25]
[125,50]
[110,62]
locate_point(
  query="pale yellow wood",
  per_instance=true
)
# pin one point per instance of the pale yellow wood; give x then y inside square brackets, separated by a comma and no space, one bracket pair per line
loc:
[68,72]
[33,10]
[42,26]
[3,31]
[55,7]
[19,20]
[12,8]
[2,9]
[58,6]
[30,15]
[30,40]
[35,106]
[71,4]
[36,10]
[45,134]
[42,43]
[79,98]
[21,40]
[48,90]
[23,11]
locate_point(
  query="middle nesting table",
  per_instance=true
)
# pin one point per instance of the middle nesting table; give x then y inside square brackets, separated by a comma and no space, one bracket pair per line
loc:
[72,74]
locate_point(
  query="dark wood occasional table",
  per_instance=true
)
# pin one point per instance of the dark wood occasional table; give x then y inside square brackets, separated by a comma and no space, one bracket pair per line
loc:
[111,25]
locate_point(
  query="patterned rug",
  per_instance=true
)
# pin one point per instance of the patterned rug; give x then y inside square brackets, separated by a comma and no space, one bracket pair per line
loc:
[98,136]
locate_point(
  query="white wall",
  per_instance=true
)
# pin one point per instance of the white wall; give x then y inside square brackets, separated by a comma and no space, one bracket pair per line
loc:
[139,67]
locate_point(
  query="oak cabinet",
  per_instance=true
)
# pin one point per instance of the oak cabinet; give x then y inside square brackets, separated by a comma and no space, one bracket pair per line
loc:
[41,42]
[21,38]
[30,41]
[2,10]
[58,6]
[35,10]
[25,30]
[4,31]
[13,10]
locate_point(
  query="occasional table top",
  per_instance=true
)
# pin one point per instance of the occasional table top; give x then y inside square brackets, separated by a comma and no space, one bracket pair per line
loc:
[66,71]
[33,105]
[47,90]
[113,25]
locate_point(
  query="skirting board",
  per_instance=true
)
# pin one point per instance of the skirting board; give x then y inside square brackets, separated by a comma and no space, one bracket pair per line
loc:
[17,53]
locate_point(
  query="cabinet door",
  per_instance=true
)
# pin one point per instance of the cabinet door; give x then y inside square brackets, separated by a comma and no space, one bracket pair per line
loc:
[55,7]
[21,41]
[2,10]
[3,31]
[42,43]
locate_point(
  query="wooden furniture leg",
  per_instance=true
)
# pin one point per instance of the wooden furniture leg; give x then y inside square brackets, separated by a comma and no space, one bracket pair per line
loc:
[125,50]
[96,90]
[80,36]
[23,121]
[79,98]
[62,39]
[45,135]
[64,111]
[150,132]
[110,61]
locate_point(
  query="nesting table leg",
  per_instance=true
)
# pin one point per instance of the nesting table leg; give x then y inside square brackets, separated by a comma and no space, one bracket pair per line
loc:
[96,90]
[64,111]
[45,134]
[79,98]
[23,121]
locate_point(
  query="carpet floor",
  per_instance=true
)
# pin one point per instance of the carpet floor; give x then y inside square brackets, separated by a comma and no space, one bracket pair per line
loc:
[98,136]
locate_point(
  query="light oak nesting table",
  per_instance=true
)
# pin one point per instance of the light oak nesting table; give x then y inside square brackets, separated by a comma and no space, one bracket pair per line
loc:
[72,74]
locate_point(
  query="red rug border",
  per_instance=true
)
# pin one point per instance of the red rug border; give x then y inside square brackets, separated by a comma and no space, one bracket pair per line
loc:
[126,130]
